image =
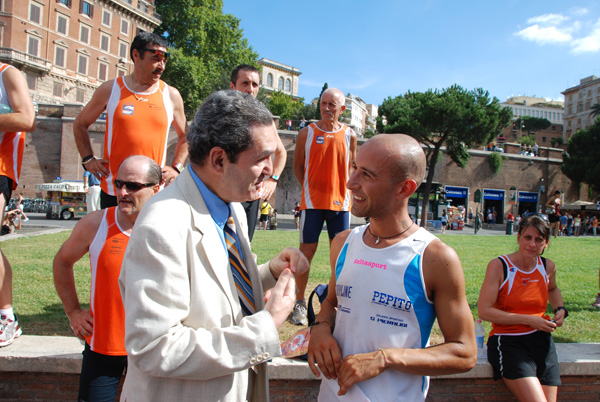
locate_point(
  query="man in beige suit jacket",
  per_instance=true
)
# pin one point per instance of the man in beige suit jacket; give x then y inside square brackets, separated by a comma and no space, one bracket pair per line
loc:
[185,334]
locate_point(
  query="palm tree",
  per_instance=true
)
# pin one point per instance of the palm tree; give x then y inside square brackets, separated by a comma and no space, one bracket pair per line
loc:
[595,110]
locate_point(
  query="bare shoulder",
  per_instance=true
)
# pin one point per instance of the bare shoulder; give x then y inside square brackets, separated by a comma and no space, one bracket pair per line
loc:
[174,92]
[339,239]
[90,222]
[442,268]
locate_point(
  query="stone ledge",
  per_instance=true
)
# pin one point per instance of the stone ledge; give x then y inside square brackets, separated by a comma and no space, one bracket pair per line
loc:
[58,354]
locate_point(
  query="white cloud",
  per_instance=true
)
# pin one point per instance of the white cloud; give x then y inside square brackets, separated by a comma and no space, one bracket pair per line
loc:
[544,35]
[548,19]
[588,44]
[579,11]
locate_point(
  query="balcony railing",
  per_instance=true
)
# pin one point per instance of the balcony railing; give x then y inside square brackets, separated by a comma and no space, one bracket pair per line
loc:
[19,58]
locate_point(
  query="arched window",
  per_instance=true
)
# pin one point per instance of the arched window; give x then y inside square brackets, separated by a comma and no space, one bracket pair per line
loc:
[280,86]
[270,80]
[288,85]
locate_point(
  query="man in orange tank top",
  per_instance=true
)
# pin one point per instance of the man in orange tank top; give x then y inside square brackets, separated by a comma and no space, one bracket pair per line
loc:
[18,116]
[324,154]
[104,234]
[140,108]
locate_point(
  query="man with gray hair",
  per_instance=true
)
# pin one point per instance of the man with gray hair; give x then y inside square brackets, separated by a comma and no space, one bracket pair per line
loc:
[104,234]
[198,327]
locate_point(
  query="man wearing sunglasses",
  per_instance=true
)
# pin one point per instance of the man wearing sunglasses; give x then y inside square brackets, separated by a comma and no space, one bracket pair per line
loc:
[104,234]
[140,108]
[198,327]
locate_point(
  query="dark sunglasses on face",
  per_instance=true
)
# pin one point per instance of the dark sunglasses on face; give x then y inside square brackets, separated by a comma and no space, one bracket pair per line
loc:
[132,185]
[161,54]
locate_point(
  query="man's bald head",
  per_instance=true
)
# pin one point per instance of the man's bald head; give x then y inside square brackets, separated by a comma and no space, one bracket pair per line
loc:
[336,93]
[404,154]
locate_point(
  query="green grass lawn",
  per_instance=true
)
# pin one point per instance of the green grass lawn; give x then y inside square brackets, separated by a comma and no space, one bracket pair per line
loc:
[41,313]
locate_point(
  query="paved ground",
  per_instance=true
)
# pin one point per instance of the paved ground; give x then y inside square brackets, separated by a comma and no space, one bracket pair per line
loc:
[38,224]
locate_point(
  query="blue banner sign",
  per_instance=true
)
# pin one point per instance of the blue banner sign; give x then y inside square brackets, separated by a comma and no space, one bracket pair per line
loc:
[493,194]
[457,192]
[526,196]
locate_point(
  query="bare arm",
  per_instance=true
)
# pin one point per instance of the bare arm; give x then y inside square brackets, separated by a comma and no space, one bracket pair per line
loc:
[84,120]
[353,146]
[554,293]
[73,249]
[445,284]
[22,117]
[494,276]
[299,155]
[180,126]
[323,348]
[279,160]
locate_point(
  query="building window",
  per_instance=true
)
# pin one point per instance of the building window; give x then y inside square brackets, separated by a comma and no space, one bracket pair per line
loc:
[59,56]
[543,139]
[104,42]
[106,18]
[86,8]
[84,34]
[57,89]
[61,24]
[123,50]
[31,81]
[82,66]
[280,85]
[270,80]
[124,27]
[553,128]
[288,85]
[35,13]
[102,71]
[33,45]
[65,2]
[80,95]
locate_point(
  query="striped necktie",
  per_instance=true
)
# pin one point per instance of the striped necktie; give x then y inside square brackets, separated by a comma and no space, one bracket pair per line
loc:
[238,269]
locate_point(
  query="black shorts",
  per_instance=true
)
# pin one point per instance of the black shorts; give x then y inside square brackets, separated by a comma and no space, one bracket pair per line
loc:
[519,356]
[6,185]
[553,218]
[263,217]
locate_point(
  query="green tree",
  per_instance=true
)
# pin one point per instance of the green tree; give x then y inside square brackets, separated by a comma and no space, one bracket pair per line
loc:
[454,117]
[580,162]
[318,110]
[210,43]
[530,125]
[595,110]
[285,106]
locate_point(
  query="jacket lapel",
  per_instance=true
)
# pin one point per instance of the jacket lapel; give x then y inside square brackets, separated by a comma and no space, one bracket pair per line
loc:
[210,243]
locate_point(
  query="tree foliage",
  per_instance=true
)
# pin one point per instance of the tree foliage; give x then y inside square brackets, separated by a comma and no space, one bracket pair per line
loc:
[532,124]
[595,110]
[454,117]
[580,162]
[285,106]
[207,42]
[318,110]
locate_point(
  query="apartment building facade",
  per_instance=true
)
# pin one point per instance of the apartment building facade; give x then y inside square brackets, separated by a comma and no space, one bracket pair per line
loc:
[67,48]
[578,102]
[276,76]
[523,106]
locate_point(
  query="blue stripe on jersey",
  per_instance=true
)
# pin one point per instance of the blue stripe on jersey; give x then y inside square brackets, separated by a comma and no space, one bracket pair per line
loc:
[424,310]
[340,261]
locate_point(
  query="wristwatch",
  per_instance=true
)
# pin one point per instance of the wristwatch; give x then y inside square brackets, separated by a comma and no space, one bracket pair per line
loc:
[556,310]
[178,167]
[275,177]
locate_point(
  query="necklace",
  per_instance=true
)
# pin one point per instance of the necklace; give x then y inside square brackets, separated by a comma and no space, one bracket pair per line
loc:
[389,237]
[139,98]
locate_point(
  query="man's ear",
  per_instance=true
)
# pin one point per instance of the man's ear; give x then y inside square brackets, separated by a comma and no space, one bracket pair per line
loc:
[406,188]
[217,158]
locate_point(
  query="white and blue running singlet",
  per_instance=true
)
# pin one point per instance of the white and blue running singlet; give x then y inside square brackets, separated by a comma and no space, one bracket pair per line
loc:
[383,303]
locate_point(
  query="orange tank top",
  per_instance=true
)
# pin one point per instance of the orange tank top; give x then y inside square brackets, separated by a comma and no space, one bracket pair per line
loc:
[326,169]
[521,293]
[136,124]
[12,145]
[106,306]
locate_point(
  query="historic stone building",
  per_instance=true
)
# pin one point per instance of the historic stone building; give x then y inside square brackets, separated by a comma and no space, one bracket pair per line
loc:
[277,76]
[67,48]
[578,102]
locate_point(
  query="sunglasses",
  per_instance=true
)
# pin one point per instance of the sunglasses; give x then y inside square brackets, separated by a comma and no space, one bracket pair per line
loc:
[132,185]
[541,216]
[161,54]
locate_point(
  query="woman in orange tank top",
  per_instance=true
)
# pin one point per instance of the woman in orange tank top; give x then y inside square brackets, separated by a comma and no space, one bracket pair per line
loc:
[514,298]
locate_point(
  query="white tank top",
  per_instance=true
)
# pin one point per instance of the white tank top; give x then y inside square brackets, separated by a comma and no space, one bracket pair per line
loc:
[382,303]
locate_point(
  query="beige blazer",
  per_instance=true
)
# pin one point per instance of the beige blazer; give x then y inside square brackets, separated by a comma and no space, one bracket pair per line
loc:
[185,334]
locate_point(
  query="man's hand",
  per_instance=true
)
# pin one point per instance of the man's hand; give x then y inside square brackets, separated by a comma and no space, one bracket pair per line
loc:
[268,189]
[168,175]
[86,189]
[97,167]
[291,258]
[324,350]
[281,299]
[81,323]
[360,367]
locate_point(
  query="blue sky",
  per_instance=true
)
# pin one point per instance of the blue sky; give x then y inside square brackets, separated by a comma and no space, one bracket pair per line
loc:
[376,49]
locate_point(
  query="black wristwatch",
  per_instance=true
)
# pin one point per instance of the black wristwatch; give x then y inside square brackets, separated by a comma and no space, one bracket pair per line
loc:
[556,310]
